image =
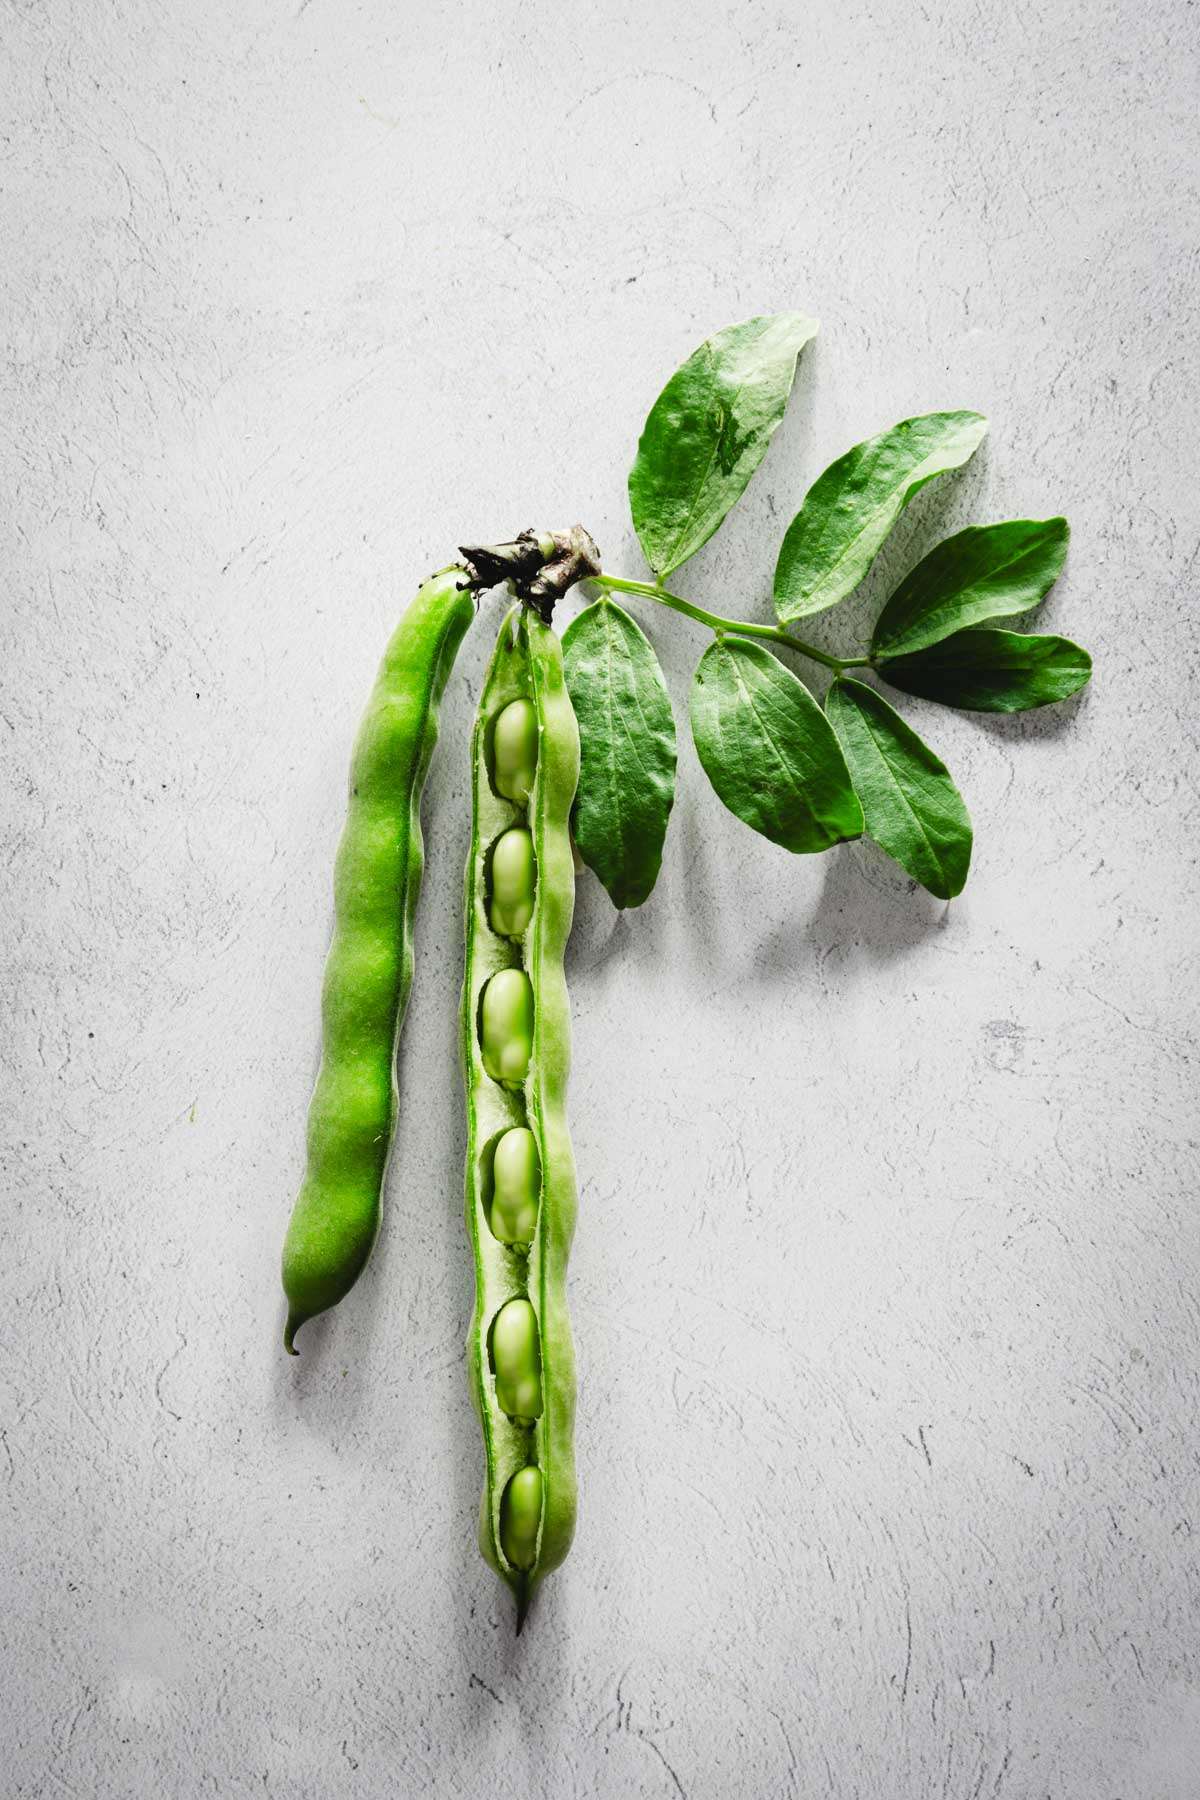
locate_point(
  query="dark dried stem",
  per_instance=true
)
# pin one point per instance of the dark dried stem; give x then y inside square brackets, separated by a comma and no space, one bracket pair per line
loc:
[540,566]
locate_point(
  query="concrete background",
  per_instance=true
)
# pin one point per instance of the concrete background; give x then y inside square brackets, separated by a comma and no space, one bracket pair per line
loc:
[887,1285]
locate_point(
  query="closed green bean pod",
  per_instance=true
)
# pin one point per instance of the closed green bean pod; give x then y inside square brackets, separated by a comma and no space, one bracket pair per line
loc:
[368,972]
[520,1183]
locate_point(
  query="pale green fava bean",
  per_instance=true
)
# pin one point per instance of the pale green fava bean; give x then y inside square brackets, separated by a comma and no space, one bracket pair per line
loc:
[506,1027]
[517,1361]
[515,750]
[514,878]
[516,1184]
[520,1517]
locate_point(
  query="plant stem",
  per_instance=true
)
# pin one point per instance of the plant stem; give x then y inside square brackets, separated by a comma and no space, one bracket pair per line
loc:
[731,627]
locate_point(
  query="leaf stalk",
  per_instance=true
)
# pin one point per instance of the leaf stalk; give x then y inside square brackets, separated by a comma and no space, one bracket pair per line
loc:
[731,627]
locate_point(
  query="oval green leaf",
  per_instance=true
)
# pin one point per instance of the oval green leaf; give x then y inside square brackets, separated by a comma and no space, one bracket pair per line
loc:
[984,572]
[993,671]
[769,750]
[627,750]
[707,433]
[912,808]
[850,509]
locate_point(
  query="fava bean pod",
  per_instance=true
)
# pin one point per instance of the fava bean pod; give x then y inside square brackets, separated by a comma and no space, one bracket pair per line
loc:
[520,1185]
[368,972]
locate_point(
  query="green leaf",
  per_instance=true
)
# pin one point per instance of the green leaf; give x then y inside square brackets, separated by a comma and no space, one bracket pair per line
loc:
[992,671]
[627,750]
[769,751]
[912,808]
[707,433]
[984,572]
[849,510]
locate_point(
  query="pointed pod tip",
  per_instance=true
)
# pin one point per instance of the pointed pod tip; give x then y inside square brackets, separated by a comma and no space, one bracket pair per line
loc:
[289,1334]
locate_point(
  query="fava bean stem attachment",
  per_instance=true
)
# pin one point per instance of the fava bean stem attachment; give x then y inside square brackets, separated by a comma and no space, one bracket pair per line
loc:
[730,627]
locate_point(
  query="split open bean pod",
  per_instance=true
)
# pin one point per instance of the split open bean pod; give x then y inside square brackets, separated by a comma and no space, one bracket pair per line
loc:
[520,1182]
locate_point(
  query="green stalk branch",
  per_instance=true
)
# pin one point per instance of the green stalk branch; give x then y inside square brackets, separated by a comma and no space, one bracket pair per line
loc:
[731,627]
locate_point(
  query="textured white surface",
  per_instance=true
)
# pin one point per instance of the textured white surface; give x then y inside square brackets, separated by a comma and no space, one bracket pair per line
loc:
[887,1286]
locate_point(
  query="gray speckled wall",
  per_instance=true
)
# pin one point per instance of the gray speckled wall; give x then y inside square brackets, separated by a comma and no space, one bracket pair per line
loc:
[887,1282]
